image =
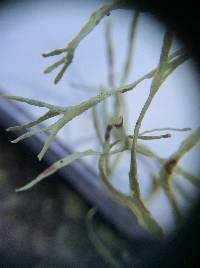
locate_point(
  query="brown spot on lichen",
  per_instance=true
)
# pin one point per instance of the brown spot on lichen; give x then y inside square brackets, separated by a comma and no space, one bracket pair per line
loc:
[169,166]
[108,130]
[120,124]
[49,170]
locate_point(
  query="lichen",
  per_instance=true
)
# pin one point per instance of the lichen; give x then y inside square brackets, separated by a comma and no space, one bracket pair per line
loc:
[114,124]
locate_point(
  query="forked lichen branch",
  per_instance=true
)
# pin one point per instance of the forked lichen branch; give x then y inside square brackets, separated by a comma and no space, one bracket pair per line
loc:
[69,51]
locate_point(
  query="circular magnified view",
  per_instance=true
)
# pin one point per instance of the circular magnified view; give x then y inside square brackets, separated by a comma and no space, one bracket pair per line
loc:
[119,89]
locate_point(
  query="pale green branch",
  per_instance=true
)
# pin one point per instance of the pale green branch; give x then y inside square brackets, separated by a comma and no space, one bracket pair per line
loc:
[169,167]
[93,21]
[165,129]
[156,83]
[100,247]
[144,150]
[187,175]
[71,112]
[165,136]
[44,117]
[32,133]
[187,145]
[183,192]
[134,203]
[33,102]
[131,43]
[96,125]
[56,166]
[110,53]
[176,63]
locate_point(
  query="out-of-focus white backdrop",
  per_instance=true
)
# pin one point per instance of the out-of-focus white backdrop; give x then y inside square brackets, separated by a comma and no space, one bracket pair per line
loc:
[30,28]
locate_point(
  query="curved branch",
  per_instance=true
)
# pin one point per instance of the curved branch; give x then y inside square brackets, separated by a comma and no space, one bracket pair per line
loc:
[93,21]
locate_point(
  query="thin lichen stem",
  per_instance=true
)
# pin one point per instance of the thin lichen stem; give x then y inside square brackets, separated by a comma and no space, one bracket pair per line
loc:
[96,124]
[170,166]
[133,176]
[93,21]
[131,47]
[145,151]
[73,111]
[135,203]
[41,119]
[165,129]
[110,54]
[187,145]
[96,241]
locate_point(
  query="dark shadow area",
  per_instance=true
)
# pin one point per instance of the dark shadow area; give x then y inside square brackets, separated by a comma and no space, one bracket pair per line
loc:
[46,226]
